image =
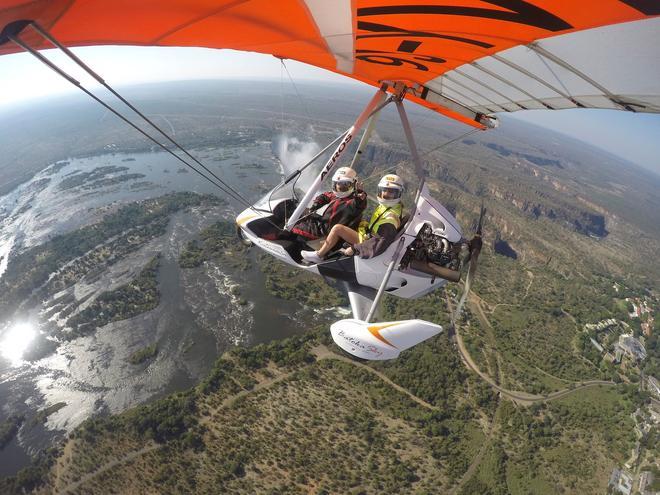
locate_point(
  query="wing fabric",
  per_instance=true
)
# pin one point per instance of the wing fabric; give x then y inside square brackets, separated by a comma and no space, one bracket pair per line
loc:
[464,57]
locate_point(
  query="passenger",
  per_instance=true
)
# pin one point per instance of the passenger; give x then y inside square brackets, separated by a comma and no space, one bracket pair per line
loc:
[346,202]
[372,238]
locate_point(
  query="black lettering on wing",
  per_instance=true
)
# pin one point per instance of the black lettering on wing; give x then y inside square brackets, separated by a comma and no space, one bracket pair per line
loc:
[385,31]
[518,11]
[648,7]
[388,58]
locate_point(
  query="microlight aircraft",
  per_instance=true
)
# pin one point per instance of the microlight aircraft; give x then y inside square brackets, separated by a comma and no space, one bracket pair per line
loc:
[466,59]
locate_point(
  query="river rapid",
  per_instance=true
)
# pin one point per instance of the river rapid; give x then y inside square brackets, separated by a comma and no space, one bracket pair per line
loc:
[199,315]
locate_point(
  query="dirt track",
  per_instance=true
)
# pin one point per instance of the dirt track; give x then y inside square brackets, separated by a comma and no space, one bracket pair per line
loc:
[522,398]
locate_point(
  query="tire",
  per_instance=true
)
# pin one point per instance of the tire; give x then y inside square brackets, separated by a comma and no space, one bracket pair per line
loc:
[241,237]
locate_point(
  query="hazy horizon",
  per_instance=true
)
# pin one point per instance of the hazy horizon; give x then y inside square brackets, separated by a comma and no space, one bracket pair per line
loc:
[575,127]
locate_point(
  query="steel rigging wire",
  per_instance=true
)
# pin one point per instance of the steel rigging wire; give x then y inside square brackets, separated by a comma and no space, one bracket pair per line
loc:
[220,184]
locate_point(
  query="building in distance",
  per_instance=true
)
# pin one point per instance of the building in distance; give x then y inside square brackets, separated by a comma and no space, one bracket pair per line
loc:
[621,481]
[631,346]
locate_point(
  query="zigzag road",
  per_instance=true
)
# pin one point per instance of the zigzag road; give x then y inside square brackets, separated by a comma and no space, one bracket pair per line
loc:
[522,398]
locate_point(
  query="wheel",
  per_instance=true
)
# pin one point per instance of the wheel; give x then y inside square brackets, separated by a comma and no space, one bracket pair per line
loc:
[241,237]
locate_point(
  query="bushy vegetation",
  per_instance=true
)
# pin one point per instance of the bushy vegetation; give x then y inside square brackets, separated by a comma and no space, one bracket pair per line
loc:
[42,415]
[558,442]
[291,284]
[652,363]
[491,478]
[144,354]
[98,173]
[33,476]
[127,301]
[290,352]
[217,242]
[167,419]
[28,271]
[9,428]
[219,375]
[432,371]
[274,418]
[537,317]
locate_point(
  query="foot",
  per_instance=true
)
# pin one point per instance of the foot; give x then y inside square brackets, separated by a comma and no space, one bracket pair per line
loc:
[311,256]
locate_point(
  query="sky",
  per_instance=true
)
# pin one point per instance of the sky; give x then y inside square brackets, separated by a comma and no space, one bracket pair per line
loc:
[635,137]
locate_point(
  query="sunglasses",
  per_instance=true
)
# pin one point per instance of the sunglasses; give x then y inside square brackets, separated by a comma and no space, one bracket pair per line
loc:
[343,186]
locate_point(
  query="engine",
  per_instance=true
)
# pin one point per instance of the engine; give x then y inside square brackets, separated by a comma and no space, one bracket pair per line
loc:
[429,247]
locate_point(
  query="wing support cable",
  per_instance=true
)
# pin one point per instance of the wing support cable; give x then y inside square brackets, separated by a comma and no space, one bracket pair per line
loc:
[426,153]
[416,157]
[405,123]
[538,79]
[220,184]
[417,160]
[365,138]
[300,98]
[476,103]
[542,52]
[481,83]
[510,84]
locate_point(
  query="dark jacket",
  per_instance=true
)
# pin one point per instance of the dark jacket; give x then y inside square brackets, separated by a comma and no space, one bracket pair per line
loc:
[345,211]
[377,234]
[378,243]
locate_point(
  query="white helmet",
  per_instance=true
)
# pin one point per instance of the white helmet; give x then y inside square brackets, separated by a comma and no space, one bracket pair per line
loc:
[390,190]
[343,182]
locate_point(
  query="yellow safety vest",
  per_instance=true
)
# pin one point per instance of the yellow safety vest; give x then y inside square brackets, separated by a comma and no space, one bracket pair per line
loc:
[382,215]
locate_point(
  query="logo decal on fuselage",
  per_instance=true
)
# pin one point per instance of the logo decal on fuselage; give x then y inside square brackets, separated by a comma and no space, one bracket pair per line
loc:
[358,343]
[331,163]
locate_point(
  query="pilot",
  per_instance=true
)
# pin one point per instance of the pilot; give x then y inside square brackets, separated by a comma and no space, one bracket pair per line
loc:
[346,202]
[372,238]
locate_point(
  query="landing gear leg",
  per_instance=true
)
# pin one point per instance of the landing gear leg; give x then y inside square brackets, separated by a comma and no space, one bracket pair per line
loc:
[383,284]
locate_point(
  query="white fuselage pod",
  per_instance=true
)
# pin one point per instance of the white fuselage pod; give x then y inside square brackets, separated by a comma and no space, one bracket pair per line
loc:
[380,341]
[249,218]
[408,283]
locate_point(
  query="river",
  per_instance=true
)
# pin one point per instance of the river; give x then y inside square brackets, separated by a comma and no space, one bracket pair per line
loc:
[198,317]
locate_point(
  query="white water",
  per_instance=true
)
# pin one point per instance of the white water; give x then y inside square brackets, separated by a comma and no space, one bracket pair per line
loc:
[293,154]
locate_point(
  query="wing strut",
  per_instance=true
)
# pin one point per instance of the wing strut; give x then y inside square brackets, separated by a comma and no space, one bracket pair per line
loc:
[419,170]
[417,160]
[379,100]
[386,279]
[365,137]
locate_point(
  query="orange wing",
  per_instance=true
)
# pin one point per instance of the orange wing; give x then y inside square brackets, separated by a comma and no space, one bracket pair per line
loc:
[465,57]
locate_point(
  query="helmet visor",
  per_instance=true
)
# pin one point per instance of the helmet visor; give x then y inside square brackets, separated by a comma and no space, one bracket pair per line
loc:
[342,185]
[389,193]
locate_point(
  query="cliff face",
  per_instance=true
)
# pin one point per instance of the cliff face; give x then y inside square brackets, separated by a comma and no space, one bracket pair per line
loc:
[547,197]
[585,222]
[535,159]
[591,224]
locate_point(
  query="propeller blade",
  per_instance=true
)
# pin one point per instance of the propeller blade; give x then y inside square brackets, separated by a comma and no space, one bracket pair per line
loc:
[475,246]
[482,214]
[466,291]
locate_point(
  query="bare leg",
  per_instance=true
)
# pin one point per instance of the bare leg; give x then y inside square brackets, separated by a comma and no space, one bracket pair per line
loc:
[336,233]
